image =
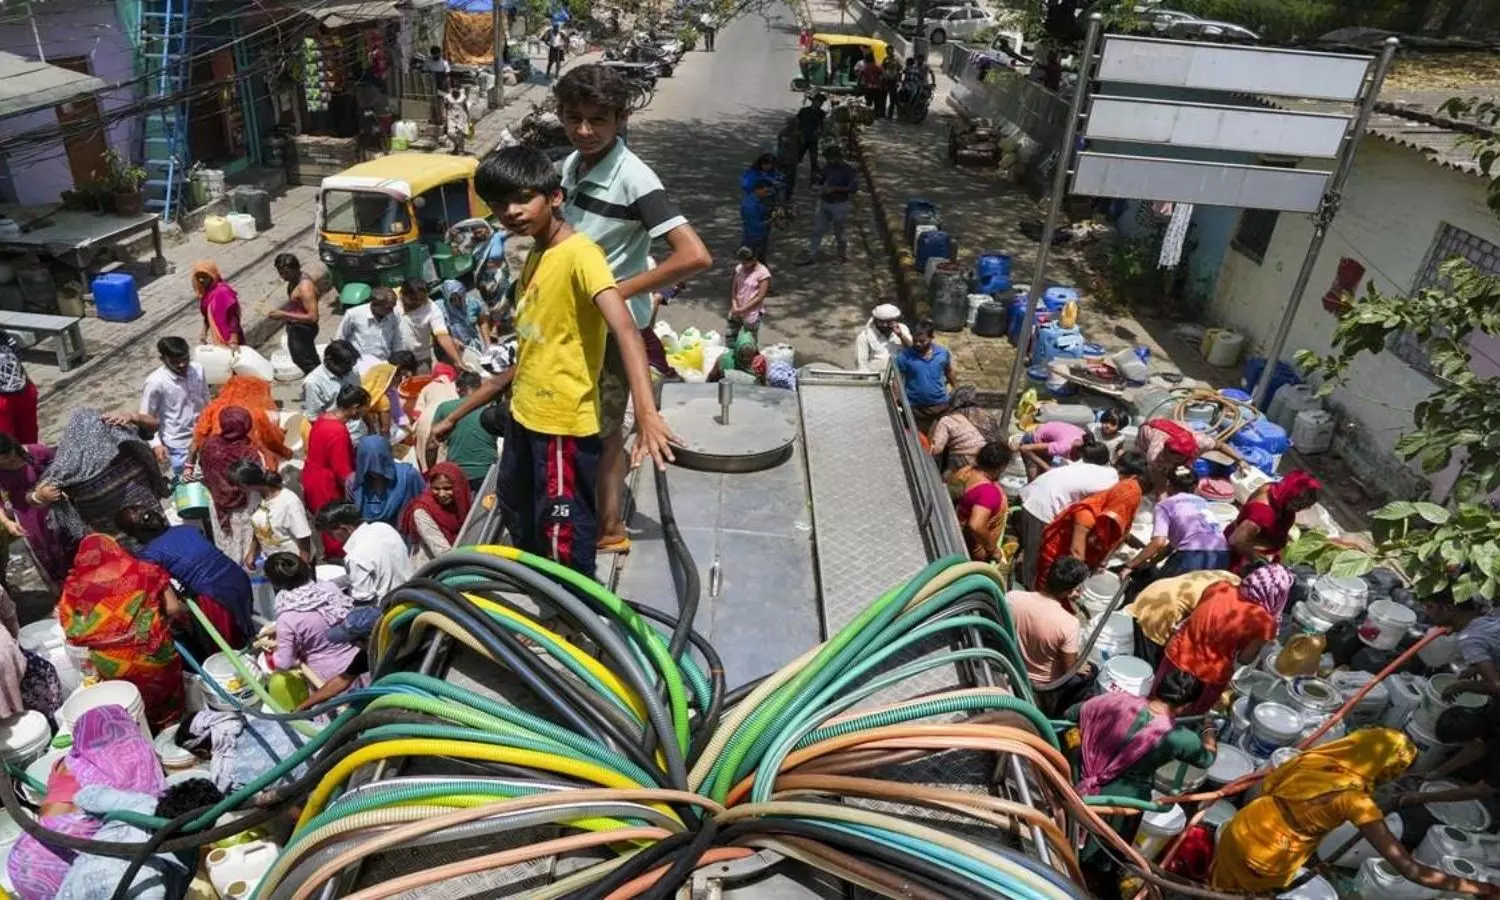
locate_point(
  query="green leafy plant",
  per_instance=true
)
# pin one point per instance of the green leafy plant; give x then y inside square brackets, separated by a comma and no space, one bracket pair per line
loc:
[121,175]
[1483,142]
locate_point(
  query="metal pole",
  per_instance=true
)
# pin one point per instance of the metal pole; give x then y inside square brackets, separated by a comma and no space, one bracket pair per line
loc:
[1054,209]
[36,34]
[1323,218]
[497,15]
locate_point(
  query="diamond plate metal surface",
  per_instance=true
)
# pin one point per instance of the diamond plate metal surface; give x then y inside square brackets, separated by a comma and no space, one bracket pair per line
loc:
[864,524]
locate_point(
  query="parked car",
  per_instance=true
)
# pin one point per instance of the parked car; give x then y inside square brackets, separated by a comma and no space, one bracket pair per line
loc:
[949,22]
[1161,20]
[1009,49]
[1209,30]
[891,12]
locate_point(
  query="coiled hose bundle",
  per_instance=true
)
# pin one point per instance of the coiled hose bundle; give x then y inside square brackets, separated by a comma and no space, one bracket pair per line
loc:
[624,740]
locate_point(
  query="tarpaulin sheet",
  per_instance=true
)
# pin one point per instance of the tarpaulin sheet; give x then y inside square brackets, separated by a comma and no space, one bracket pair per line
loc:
[469,38]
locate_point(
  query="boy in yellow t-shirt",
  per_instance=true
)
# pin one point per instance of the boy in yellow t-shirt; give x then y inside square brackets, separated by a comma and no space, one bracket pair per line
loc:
[566,302]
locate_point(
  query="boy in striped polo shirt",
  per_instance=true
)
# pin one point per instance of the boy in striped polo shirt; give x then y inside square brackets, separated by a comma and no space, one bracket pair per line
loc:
[616,199]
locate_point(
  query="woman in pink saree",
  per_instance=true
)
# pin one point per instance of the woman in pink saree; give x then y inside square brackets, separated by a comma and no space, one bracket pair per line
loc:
[108,751]
[219,305]
[1126,738]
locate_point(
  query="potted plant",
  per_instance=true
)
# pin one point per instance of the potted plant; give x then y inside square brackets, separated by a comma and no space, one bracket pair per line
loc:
[124,180]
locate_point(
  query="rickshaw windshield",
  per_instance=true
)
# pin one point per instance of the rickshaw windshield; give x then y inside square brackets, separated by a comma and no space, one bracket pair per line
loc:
[364,212]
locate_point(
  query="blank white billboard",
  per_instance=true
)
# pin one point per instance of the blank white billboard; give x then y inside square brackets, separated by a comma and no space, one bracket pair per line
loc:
[1213,127]
[1213,184]
[1223,67]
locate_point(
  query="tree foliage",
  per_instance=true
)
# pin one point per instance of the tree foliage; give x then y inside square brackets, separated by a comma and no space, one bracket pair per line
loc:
[1484,114]
[1440,548]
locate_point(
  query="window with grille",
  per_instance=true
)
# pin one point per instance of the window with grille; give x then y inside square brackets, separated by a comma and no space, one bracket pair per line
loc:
[1452,242]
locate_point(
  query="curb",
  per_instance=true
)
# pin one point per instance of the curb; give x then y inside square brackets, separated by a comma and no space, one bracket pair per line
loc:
[911,293]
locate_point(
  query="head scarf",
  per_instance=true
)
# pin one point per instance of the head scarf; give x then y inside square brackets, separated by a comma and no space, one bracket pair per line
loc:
[254,396]
[220,453]
[444,372]
[448,519]
[373,456]
[1268,588]
[965,401]
[1178,440]
[85,451]
[456,314]
[204,267]
[1108,747]
[885,312]
[1292,485]
[1359,762]
[321,597]
[109,749]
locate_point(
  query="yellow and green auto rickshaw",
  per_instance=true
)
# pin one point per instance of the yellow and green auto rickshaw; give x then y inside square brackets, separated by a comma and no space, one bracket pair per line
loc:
[828,64]
[389,219]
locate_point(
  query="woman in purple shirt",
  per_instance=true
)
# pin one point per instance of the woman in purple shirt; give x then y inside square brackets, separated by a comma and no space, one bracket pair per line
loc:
[305,611]
[1185,527]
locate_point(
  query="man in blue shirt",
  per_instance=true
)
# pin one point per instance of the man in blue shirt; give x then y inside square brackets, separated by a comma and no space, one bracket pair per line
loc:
[927,370]
[840,182]
[755,220]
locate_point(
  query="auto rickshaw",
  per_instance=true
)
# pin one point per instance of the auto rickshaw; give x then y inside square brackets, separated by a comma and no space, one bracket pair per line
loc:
[387,220]
[828,64]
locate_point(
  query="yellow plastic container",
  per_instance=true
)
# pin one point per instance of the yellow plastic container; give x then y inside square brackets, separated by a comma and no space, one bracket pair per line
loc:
[218,230]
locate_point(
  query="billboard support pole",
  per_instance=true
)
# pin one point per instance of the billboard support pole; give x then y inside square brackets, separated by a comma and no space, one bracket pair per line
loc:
[1323,219]
[1054,210]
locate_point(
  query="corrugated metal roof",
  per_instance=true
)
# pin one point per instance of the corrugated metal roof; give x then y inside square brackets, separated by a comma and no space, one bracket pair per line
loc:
[358,12]
[1410,118]
[27,85]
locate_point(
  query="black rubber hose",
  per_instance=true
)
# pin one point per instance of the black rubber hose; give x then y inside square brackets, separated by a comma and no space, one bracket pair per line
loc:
[574,704]
[709,719]
[946,880]
[683,866]
[587,617]
[680,561]
[433,595]
[645,861]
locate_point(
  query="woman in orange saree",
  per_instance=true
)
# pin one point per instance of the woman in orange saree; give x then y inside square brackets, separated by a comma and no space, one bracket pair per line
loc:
[119,608]
[254,396]
[1093,527]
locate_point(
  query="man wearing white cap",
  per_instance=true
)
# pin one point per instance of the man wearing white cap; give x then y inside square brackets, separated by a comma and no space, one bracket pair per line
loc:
[882,336]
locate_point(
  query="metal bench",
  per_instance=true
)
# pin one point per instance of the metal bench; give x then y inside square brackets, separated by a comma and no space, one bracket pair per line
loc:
[70,351]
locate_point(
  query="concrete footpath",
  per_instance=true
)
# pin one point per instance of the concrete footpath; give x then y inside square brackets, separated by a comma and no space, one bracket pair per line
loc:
[122,354]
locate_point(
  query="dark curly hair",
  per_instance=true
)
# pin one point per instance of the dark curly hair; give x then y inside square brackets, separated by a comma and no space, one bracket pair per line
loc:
[186,796]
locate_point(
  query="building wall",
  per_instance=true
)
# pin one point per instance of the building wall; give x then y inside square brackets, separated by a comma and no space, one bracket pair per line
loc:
[1394,205]
[38,174]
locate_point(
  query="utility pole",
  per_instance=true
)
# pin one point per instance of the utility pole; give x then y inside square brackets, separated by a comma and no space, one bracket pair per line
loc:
[1054,210]
[497,14]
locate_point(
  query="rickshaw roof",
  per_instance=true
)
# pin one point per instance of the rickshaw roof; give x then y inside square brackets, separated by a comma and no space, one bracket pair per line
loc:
[419,171]
[847,40]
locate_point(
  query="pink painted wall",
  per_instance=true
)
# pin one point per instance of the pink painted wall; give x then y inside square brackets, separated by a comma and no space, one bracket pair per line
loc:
[39,173]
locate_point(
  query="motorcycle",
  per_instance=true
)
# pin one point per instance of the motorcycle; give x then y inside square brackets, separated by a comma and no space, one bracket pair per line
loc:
[913,102]
[541,129]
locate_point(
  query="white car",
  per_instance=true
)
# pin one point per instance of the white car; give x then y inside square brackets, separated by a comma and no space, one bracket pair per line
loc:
[946,22]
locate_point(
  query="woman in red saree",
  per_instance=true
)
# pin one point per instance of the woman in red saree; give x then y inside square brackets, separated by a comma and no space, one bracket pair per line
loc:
[330,458]
[1093,527]
[119,608]
[1265,521]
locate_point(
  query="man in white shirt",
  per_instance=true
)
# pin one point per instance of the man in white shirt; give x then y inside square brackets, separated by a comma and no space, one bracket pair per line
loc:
[709,26]
[1054,491]
[171,402]
[374,329]
[423,325]
[881,338]
[320,389]
[374,553]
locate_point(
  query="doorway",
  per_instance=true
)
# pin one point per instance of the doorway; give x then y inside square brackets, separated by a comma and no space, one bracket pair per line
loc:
[82,128]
